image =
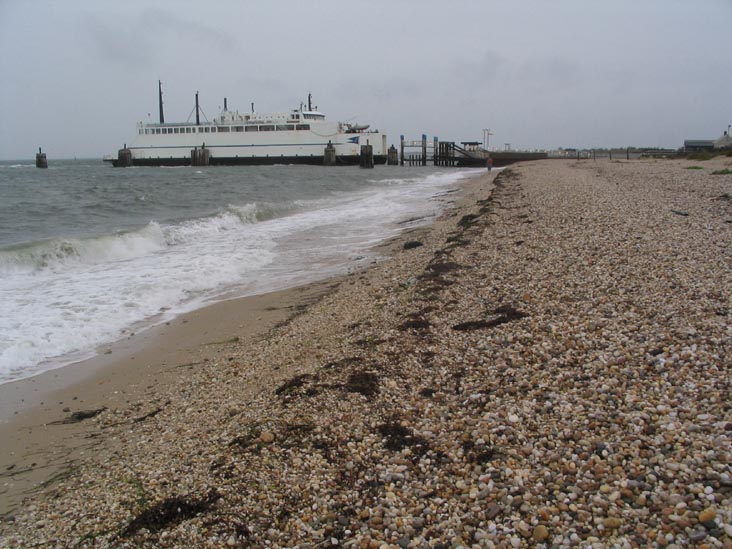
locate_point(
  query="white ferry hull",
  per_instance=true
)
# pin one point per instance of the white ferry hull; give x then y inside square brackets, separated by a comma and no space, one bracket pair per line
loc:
[298,137]
[233,149]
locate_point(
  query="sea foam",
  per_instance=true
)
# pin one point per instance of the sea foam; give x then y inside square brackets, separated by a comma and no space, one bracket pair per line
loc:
[64,297]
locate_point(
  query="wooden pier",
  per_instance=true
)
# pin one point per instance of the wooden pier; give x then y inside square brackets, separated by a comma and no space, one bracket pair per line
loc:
[466,155]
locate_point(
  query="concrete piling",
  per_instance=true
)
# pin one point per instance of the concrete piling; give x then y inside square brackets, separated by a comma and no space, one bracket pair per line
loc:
[41,160]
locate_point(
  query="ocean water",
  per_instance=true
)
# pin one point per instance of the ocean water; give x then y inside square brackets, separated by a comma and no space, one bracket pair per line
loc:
[89,252]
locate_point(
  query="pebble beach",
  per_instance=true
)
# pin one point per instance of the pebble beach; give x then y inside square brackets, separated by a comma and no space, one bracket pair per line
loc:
[549,364]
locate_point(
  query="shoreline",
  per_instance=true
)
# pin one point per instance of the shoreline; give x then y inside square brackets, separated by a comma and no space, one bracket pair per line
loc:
[547,364]
[36,448]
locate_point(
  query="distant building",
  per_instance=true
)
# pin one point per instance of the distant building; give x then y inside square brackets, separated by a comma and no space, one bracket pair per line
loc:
[472,145]
[698,145]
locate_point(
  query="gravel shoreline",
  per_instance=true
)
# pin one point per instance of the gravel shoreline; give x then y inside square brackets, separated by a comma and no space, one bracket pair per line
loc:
[547,365]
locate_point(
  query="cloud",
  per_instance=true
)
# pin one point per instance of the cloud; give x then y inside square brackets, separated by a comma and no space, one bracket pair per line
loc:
[154,34]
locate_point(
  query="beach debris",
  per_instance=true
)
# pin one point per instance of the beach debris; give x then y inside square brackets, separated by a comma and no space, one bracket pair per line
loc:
[505,314]
[681,213]
[150,414]
[363,382]
[397,437]
[81,415]
[169,512]
[411,244]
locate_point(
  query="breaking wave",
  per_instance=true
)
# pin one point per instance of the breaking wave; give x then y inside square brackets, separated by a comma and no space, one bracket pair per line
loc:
[64,253]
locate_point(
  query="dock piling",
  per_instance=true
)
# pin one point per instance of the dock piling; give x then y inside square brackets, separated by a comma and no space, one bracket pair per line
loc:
[329,155]
[41,160]
[200,157]
[392,156]
[367,156]
[124,157]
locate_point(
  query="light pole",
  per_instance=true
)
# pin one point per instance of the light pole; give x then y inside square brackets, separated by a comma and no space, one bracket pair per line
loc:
[486,137]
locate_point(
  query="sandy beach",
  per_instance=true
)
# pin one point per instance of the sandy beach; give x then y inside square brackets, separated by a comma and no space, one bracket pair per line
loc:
[547,365]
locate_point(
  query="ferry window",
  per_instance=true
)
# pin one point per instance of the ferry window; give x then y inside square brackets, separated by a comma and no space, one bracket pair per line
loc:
[266,128]
[157,130]
[205,130]
[175,130]
[238,128]
[284,127]
[302,127]
[200,130]
[223,129]
[252,129]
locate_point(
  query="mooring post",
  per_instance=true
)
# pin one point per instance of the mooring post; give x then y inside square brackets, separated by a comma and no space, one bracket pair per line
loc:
[200,157]
[435,159]
[627,153]
[424,149]
[329,155]
[367,156]
[41,160]
[124,157]
[401,154]
[392,157]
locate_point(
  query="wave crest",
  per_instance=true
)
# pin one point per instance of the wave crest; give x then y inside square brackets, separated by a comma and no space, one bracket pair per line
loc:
[64,253]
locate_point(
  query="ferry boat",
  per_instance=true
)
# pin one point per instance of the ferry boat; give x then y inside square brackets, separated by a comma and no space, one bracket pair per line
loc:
[296,137]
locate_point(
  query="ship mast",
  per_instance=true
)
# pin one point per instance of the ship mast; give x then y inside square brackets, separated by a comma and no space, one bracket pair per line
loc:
[160,101]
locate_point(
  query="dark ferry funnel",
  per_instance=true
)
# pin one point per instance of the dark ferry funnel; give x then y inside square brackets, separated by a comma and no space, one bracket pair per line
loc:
[160,101]
[198,119]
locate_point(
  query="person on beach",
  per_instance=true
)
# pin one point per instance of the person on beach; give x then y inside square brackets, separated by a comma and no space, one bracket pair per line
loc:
[489,163]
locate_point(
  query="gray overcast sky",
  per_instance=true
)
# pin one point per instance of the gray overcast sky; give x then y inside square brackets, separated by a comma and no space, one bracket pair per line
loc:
[75,76]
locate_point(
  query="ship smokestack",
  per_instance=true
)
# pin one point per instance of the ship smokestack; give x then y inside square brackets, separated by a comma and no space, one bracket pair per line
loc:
[160,101]
[198,120]
[225,104]
[310,101]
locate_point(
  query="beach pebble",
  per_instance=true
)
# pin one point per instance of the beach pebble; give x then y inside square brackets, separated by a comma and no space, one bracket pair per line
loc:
[267,437]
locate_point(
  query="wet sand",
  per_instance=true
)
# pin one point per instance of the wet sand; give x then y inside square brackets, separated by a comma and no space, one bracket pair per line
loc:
[38,447]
